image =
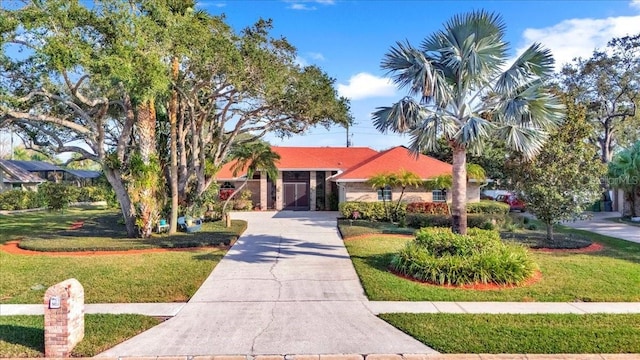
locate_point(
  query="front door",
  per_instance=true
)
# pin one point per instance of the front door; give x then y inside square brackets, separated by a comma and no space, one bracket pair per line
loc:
[296,196]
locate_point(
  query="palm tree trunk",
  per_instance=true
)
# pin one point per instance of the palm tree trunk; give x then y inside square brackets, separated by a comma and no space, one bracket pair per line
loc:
[173,139]
[147,138]
[459,191]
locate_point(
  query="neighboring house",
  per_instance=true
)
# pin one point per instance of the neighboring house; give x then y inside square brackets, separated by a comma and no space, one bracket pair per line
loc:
[49,172]
[309,178]
[15,177]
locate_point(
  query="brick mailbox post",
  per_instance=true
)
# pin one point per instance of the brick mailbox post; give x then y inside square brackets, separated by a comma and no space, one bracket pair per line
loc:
[63,318]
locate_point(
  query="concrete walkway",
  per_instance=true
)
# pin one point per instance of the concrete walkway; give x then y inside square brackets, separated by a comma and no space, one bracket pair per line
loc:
[286,287]
[599,225]
[376,307]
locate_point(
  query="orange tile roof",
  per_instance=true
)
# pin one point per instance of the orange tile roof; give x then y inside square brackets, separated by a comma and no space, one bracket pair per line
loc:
[393,160]
[311,158]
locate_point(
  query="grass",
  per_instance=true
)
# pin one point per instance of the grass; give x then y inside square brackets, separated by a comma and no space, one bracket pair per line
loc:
[24,225]
[612,274]
[102,230]
[23,336]
[519,334]
[151,277]
[355,228]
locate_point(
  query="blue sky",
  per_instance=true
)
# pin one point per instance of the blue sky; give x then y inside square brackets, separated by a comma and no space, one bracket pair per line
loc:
[348,38]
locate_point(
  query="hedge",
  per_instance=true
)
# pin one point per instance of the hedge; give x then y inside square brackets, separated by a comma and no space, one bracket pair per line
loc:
[374,211]
[487,207]
[431,208]
[482,221]
[18,199]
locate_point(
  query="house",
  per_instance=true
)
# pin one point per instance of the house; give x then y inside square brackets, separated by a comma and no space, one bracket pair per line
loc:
[15,177]
[315,178]
[28,174]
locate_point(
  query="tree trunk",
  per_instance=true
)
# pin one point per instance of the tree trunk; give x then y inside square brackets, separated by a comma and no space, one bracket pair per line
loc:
[126,206]
[146,194]
[173,139]
[459,191]
[549,232]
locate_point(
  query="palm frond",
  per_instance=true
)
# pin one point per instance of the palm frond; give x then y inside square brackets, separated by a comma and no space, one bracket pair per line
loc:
[474,130]
[401,117]
[532,105]
[528,141]
[411,68]
[534,63]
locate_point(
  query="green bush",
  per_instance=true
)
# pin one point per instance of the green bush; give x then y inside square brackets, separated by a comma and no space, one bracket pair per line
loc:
[438,256]
[90,194]
[482,221]
[57,196]
[439,208]
[487,207]
[374,211]
[18,199]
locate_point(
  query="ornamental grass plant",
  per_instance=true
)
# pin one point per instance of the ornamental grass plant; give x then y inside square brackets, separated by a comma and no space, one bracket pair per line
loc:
[438,256]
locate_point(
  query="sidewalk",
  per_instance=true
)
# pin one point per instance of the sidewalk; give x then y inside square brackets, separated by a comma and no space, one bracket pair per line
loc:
[376,307]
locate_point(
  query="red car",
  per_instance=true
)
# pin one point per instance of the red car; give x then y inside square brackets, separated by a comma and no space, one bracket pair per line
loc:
[513,201]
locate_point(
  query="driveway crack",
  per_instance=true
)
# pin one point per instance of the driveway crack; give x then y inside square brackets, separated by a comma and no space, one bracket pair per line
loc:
[275,303]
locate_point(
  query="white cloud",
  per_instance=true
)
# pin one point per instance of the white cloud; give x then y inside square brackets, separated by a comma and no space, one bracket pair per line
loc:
[316,56]
[302,4]
[298,6]
[364,85]
[579,37]
[635,4]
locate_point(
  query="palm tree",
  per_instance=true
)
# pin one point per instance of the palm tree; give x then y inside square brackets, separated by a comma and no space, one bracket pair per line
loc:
[624,173]
[466,96]
[380,182]
[249,158]
[404,179]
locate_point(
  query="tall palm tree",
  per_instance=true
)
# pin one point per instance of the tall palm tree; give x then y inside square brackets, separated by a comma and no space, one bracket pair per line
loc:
[459,89]
[249,158]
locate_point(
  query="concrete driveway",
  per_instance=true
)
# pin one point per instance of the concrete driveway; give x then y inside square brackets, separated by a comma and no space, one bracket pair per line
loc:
[286,287]
[599,224]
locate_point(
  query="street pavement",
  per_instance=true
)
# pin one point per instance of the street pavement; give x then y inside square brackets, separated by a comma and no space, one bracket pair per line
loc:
[599,224]
[286,287]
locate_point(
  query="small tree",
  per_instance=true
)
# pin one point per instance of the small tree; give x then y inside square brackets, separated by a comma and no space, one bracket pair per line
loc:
[624,173]
[402,179]
[251,157]
[565,177]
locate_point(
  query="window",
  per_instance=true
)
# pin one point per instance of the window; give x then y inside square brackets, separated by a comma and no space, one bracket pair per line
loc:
[439,195]
[384,194]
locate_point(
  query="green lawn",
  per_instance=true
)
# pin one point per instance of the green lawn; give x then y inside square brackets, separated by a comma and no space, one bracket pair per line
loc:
[28,224]
[102,230]
[23,336]
[148,277]
[519,334]
[609,275]
[153,277]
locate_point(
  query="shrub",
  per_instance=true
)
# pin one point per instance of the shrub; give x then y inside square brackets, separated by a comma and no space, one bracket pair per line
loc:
[482,221]
[57,196]
[374,211]
[487,207]
[91,194]
[431,208]
[441,257]
[18,199]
